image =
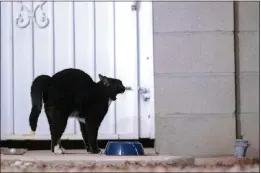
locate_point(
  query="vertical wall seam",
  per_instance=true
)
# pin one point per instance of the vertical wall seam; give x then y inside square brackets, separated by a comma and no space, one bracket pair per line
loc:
[73,33]
[94,39]
[236,68]
[12,27]
[0,66]
[138,64]
[53,32]
[73,48]
[114,65]
[33,45]
[114,40]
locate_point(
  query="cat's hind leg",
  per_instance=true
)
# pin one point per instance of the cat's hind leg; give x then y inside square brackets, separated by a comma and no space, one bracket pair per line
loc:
[48,113]
[84,135]
[58,125]
[50,126]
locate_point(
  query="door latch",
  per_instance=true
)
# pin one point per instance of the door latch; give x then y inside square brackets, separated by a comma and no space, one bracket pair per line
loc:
[145,92]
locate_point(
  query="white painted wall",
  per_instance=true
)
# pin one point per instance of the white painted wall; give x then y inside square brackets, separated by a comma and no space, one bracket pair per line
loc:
[98,37]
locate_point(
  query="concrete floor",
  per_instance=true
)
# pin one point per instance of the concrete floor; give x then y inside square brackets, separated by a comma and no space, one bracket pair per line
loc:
[82,155]
[80,161]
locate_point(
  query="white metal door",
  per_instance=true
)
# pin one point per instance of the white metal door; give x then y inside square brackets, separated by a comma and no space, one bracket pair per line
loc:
[45,37]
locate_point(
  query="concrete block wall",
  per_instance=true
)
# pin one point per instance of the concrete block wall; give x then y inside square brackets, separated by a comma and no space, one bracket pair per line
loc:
[194,78]
[247,54]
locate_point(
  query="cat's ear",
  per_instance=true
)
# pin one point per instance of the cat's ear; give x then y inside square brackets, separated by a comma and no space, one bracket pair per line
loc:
[101,77]
[104,79]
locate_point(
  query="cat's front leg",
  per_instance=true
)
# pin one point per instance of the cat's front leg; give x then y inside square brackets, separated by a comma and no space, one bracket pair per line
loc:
[92,132]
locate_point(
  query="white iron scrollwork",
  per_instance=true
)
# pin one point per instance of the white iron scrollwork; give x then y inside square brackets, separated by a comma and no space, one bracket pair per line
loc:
[26,16]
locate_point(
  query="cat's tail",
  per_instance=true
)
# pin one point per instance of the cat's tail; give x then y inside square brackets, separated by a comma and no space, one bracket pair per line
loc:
[38,87]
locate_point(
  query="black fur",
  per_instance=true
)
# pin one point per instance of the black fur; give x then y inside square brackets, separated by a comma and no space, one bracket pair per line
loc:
[72,92]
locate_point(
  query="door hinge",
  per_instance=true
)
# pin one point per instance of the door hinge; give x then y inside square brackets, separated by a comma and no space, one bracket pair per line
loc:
[135,6]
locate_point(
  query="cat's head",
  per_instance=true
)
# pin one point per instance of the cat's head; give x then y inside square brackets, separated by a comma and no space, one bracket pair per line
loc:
[113,86]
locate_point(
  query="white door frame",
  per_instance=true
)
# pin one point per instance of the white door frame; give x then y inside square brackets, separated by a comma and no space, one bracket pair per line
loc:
[146,69]
[146,79]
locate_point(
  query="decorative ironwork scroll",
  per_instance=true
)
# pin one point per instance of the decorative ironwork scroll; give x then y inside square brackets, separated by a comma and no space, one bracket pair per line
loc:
[36,15]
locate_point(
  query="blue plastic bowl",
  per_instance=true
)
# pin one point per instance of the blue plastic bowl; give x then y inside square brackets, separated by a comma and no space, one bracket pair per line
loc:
[124,149]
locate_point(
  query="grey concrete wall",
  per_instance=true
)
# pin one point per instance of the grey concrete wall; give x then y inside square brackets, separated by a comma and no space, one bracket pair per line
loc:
[194,78]
[247,51]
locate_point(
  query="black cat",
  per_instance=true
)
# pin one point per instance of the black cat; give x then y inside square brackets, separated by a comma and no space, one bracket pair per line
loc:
[73,93]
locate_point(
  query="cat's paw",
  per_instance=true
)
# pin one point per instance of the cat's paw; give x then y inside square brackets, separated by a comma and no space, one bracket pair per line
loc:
[31,133]
[63,150]
[97,151]
[58,150]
